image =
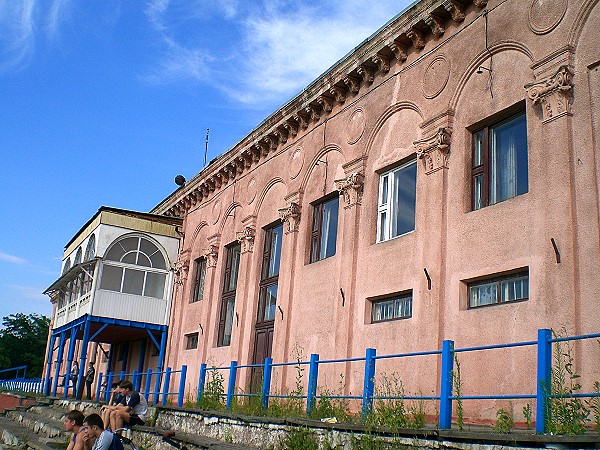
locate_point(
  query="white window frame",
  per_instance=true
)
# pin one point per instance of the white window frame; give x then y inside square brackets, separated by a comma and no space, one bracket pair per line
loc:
[385,205]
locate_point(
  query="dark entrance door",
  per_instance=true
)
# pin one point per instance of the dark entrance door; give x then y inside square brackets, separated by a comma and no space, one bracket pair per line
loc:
[267,303]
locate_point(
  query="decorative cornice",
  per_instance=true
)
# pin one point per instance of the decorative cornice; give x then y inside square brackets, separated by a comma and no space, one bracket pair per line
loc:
[246,239]
[405,35]
[434,150]
[291,217]
[436,24]
[351,188]
[554,93]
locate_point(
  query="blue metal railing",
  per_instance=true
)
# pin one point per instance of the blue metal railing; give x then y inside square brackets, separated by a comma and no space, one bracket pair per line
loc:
[448,352]
[143,382]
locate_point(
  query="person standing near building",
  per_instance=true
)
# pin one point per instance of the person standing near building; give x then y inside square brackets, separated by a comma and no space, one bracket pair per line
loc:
[73,377]
[131,410]
[90,374]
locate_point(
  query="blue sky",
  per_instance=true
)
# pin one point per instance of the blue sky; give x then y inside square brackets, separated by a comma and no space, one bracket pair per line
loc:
[103,102]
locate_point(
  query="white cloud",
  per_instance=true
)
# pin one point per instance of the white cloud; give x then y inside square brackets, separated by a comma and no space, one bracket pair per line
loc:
[11,259]
[283,45]
[56,15]
[17,41]
[29,292]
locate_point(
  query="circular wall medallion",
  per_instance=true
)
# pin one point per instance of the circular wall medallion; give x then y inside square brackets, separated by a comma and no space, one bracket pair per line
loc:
[216,211]
[251,191]
[295,162]
[356,126]
[545,15]
[436,77]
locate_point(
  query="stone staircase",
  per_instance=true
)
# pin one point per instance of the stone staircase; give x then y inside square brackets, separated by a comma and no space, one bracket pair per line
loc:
[41,427]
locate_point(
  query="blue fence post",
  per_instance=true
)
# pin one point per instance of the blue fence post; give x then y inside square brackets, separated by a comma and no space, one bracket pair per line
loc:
[166,386]
[157,386]
[231,385]
[181,386]
[266,387]
[201,381]
[109,382]
[99,386]
[445,419]
[369,382]
[313,375]
[136,386]
[544,366]
[148,384]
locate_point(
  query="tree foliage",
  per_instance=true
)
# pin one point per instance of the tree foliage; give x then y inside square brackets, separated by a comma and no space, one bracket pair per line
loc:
[23,342]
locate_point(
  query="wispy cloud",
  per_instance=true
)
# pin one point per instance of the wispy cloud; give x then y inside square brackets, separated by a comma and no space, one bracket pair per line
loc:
[20,23]
[11,259]
[29,292]
[17,41]
[56,15]
[275,47]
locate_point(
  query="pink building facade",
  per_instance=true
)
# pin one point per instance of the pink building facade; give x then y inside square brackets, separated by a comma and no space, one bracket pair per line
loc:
[440,182]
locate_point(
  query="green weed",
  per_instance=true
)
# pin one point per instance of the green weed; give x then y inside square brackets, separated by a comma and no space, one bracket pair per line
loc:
[299,439]
[213,396]
[457,382]
[528,415]
[504,421]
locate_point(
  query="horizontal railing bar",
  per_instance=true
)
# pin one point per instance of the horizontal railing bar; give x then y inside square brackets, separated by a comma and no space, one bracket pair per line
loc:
[403,355]
[406,397]
[491,347]
[575,338]
[493,397]
[295,363]
[325,361]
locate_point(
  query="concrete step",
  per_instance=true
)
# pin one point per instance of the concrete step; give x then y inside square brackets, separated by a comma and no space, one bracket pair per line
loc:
[15,437]
[38,422]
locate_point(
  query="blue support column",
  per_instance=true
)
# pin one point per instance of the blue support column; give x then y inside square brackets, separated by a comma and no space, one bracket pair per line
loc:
[369,382]
[99,386]
[161,361]
[134,378]
[544,376]
[140,369]
[231,385]
[166,386]
[181,386]
[83,357]
[70,356]
[109,382]
[266,387]
[111,354]
[148,383]
[49,364]
[125,358]
[445,419]
[201,381]
[313,375]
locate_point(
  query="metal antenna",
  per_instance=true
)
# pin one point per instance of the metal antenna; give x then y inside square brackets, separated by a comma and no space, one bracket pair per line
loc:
[206,148]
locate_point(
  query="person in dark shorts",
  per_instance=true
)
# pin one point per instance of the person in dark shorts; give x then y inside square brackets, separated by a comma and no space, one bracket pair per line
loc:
[132,409]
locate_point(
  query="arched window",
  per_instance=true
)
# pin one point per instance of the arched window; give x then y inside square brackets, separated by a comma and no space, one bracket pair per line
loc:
[78,256]
[134,265]
[67,266]
[90,250]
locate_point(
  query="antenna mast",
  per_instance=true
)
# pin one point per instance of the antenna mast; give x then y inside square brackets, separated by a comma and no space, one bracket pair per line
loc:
[206,148]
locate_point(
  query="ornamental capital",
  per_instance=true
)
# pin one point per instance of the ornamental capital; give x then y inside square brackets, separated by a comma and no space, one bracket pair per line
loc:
[212,255]
[554,93]
[351,188]
[246,239]
[291,217]
[434,150]
[181,268]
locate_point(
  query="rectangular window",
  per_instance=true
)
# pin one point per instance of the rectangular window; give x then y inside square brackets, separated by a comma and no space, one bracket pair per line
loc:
[500,168]
[390,308]
[397,200]
[267,302]
[504,289]
[232,264]
[324,229]
[199,277]
[191,341]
